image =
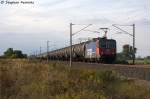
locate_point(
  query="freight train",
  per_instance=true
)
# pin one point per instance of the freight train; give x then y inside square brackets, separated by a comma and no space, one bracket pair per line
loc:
[95,50]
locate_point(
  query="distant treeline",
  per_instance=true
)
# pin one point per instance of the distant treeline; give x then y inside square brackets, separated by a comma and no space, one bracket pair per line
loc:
[10,53]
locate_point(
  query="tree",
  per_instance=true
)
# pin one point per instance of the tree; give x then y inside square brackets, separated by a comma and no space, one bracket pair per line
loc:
[127,53]
[18,53]
[10,53]
[148,57]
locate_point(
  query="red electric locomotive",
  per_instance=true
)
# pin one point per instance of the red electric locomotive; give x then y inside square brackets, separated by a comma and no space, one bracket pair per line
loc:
[106,49]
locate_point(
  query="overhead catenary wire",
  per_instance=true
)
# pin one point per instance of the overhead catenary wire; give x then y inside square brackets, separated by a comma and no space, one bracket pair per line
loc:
[81,30]
[123,30]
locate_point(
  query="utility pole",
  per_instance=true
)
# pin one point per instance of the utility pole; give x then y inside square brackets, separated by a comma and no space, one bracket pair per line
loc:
[40,52]
[133,44]
[47,50]
[71,44]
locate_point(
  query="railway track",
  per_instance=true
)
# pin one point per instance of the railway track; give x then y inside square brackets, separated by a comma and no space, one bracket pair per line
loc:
[110,65]
[131,71]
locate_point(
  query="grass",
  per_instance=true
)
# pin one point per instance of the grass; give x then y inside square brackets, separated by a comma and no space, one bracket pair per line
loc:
[23,79]
[140,62]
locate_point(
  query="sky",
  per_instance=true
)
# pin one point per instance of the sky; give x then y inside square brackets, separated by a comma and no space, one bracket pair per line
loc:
[29,26]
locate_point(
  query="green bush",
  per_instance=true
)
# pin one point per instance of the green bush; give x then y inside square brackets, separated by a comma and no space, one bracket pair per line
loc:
[122,62]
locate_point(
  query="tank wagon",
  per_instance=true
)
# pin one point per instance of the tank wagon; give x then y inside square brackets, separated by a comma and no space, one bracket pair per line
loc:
[96,50]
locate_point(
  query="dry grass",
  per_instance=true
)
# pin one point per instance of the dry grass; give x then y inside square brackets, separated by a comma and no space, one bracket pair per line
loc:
[141,62]
[23,79]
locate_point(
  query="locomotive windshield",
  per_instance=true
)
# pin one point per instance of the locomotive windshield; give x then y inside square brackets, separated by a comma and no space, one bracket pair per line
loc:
[107,44]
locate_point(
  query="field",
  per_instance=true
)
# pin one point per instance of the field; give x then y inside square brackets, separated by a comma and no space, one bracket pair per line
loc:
[23,79]
[141,62]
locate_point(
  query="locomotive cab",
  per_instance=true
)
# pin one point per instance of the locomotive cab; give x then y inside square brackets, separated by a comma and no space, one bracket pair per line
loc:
[106,50]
